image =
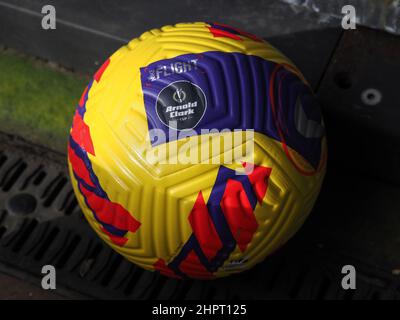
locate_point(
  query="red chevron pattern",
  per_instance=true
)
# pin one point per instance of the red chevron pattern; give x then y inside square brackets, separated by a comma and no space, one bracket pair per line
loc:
[225,221]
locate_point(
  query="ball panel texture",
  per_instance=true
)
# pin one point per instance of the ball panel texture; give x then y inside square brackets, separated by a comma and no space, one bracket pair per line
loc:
[196,220]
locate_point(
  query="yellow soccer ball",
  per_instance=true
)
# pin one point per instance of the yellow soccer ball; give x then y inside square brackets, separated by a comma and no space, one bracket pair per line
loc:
[197,150]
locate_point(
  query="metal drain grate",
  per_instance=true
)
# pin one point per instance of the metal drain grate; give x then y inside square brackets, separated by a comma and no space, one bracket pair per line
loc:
[41,223]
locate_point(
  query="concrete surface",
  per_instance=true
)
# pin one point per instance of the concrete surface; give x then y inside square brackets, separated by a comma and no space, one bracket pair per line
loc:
[16,289]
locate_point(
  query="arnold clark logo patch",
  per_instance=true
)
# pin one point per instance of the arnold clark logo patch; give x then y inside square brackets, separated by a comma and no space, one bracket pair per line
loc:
[181,105]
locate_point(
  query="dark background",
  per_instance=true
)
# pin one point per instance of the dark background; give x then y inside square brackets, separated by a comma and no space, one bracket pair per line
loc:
[355,221]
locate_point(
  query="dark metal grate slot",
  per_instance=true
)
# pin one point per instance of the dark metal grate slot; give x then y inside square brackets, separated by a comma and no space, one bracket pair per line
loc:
[298,284]
[210,293]
[25,233]
[68,251]
[71,207]
[114,266]
[3,159]
[88,263]
[13,174]
[3,214]
[56,186]
[37,238]
[2,231]
[122,275]
[323,289]
[96,251]
[39,178]
[30,177]
[70,203]
[47,242]
[157,287]
[132,281]
[185,289]
[274,273]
